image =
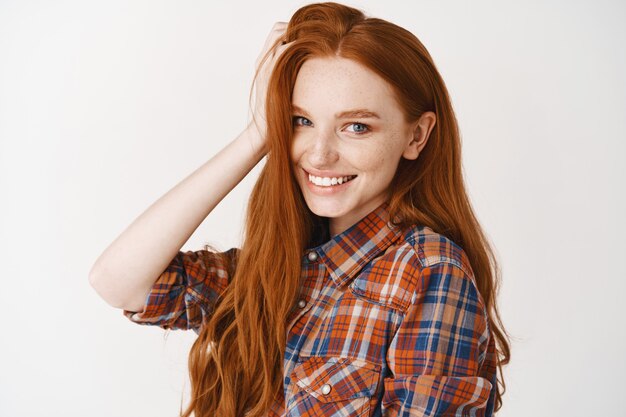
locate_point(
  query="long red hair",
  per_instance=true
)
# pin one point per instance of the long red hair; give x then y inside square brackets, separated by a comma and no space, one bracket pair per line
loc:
[236,363]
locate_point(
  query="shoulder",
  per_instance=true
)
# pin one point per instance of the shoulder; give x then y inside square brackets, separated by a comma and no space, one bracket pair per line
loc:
[419,259]
[445,273]
[432,248]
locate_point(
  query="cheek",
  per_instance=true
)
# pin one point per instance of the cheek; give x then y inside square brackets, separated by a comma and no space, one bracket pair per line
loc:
[375,158]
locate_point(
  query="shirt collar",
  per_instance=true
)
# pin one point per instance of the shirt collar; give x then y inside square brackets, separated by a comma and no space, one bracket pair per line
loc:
[348,252]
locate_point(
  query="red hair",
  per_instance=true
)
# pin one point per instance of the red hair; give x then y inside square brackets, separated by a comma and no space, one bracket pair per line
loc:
[236,364]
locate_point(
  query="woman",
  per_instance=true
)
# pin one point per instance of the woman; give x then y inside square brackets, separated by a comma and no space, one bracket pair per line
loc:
[365,285]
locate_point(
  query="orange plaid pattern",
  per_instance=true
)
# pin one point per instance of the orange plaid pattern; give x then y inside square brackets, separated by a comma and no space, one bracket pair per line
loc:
[389,323]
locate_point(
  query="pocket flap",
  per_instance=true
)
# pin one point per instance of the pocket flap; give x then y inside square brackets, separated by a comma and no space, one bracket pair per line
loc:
[332,378]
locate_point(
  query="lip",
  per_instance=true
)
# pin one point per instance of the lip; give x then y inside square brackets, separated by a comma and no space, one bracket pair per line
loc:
[325,191]
[326,173]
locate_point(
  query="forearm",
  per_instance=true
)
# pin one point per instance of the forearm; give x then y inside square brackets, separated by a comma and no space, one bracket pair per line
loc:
[126,270]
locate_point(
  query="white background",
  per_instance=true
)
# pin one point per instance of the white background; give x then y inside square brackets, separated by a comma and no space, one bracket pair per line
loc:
[104,106]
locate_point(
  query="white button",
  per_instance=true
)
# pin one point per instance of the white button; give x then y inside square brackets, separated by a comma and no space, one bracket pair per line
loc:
[325,389]
[301,303]
[312,256]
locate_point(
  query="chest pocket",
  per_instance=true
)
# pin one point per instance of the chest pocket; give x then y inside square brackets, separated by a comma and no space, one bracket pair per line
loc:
[331,385]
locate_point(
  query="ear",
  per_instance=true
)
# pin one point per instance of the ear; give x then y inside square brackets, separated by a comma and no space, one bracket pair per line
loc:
[419,131]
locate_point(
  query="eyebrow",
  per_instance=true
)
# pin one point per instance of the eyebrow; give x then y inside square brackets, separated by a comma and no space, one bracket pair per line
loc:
[356,113]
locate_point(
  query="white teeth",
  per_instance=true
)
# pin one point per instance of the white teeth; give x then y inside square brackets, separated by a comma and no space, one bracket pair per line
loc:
[327,182]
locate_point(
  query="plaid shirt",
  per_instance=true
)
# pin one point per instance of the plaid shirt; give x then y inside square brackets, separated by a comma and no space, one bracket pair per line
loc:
[389,323]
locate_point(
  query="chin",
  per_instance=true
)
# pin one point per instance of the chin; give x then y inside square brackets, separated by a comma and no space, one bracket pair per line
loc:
[326,210]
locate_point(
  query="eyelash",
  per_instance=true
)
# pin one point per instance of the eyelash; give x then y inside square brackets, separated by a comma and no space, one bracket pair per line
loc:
[367,127]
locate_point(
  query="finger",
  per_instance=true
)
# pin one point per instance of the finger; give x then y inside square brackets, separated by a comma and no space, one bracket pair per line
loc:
[276,35]
[271,39]
[280,47]
[271,42]
[278,29]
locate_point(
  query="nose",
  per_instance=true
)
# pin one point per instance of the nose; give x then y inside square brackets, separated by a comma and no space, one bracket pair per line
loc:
[323,152]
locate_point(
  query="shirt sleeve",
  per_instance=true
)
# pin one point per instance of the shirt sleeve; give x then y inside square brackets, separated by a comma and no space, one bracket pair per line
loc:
[436,355]
[184,294]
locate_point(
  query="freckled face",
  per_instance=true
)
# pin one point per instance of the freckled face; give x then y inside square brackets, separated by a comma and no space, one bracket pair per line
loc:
[332,145]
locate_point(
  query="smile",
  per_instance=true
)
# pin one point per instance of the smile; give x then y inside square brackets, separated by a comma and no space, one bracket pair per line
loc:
[326,186]
[330,181]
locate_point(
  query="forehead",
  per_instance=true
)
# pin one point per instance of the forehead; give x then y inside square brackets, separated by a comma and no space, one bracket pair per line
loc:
[329,85]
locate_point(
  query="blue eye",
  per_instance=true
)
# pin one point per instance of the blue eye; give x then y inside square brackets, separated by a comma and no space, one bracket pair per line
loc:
[295,118]
[364,129]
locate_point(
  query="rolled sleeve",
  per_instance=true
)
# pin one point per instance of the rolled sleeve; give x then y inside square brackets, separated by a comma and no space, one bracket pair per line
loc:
[182,297]
[438,350]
